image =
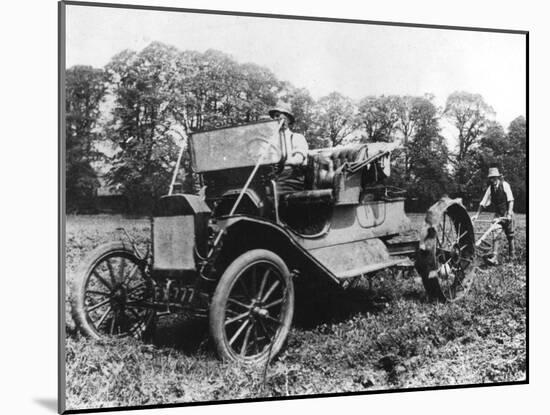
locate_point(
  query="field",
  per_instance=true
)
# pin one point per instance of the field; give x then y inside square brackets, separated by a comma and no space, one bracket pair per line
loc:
[356,340]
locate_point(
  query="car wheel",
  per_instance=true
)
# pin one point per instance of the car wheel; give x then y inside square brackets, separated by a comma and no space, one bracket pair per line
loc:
[110,293]
[447,268]
[252,308]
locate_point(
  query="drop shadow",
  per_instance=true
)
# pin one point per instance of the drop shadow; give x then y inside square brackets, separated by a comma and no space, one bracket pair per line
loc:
[416,295]
[48,403]
[187,335]
[318,303]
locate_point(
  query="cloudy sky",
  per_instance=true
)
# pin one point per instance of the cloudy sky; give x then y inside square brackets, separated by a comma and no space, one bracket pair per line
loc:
[354,59]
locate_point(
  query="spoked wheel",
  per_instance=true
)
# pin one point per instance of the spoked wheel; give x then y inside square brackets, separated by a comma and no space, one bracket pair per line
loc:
[110,294]
[451,271]
[251,311]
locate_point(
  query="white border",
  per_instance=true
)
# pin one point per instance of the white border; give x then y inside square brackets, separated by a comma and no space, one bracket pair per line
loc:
[29,175]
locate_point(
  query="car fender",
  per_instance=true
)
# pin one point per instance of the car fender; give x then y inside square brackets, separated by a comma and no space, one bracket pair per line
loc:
[241,233]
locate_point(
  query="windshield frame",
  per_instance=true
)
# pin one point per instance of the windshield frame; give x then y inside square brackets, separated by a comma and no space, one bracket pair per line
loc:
[225,148]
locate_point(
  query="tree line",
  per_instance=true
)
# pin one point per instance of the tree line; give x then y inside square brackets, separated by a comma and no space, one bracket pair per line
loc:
[145,104]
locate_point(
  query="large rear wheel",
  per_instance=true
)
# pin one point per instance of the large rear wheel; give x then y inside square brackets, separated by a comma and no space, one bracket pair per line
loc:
[110,293]
[252,307]
[448,270]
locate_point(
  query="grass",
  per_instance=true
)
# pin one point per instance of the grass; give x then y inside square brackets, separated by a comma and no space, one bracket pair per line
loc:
[359,340]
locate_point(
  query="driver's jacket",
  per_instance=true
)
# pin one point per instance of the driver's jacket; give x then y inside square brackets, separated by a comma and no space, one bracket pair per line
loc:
[296,144]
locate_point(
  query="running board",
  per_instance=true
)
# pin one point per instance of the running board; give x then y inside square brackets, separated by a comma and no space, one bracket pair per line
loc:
[372,268]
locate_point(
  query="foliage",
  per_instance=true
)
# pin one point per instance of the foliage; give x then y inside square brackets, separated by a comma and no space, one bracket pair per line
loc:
[259,91]
[162,94]
[515,165]
[332,119]
[507,152]
[85,89]
[427,173]
[220,92]
[470,115]
[143,124]
[380,116]
[301,104]
[493,148]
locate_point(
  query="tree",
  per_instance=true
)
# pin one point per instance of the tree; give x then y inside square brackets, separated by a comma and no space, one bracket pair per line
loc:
[145,124]
[507,152]
[421,167]
[162,95]
[379,116]
[301,105]
[515,166]
[517,134]
[470,114]
[413,114]
[492,149]
[219,92]
[258,92]
[332,119]
[85,89]
[212,89]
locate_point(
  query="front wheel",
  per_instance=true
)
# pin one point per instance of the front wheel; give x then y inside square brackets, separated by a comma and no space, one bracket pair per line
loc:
[110,294]
[252,307]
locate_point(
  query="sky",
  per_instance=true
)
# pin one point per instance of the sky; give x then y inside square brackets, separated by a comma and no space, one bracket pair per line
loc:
[356,60]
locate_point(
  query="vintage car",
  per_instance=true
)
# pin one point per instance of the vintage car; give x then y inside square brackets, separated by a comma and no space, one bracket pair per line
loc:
[233,254]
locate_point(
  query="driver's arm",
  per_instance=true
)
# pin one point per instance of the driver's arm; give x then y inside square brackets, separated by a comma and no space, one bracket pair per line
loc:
[298,152]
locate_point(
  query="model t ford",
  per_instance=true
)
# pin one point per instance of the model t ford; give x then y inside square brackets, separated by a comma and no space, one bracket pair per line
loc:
[232,254]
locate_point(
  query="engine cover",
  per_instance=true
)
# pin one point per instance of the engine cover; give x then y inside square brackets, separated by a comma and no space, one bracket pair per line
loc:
[180,226]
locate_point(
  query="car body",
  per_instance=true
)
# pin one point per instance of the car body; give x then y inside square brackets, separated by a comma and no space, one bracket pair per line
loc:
[232,254]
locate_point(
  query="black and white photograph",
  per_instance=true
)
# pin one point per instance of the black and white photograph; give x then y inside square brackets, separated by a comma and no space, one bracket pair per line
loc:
[260,207]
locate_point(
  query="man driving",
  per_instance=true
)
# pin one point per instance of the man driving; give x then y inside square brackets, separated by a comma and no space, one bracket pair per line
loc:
[499,196]
[293,175]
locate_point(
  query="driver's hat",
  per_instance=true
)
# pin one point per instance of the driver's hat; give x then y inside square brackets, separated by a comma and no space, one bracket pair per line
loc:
[283,108]
[493,172]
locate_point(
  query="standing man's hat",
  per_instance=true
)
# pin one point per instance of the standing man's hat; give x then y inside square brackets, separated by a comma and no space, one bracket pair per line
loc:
[284,109]
[493,172]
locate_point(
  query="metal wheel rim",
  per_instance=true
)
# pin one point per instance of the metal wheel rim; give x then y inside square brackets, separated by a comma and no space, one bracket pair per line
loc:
[454,257]
[113,296]
[255,310]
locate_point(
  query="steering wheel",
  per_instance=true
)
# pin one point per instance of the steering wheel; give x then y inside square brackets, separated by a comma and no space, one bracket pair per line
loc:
[258,147]
[304,157]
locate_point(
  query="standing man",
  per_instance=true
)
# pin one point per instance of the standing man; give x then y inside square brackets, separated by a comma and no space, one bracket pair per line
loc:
[292,177]
[499,196]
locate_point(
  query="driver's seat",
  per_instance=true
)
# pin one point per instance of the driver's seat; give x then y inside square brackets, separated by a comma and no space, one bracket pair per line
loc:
[324,168]
[308,196]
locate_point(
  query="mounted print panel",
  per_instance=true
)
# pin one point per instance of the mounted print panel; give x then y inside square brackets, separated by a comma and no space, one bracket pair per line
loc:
[262,207]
